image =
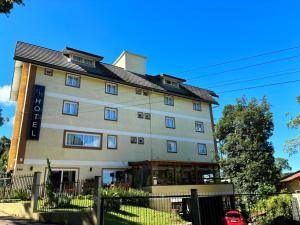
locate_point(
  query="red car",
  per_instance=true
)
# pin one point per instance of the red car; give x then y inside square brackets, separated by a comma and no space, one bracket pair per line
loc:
[234,218]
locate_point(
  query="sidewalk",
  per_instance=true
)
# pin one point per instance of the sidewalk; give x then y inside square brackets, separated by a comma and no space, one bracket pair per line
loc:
[6,219]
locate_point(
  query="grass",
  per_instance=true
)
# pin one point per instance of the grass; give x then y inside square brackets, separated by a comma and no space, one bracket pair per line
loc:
[133,215]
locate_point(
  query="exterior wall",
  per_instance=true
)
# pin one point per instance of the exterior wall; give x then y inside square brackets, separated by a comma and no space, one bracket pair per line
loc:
[292,186]
[131,62]
[18,117]
[296,206]
[92,100]
[186,189]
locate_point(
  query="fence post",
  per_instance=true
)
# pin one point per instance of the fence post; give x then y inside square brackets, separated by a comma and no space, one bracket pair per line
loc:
[35,191]
[98,200]
[195,207]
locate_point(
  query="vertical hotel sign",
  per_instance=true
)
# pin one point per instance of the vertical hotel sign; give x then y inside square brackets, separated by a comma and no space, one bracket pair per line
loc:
[36,112]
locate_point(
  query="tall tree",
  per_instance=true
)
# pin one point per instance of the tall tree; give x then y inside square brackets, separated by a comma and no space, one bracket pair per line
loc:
[292,145]
[4,148]
[282,164]
[7,5]
[247,155]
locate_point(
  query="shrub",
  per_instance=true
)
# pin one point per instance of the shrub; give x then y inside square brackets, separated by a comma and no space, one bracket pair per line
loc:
[117,196]
[23,194]
[273,207]
[58,201]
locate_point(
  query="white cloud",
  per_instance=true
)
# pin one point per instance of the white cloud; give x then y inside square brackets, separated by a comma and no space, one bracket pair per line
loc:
[12,120]
[4,95]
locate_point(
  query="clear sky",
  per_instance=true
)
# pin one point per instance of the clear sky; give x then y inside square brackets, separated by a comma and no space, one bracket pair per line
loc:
[175,36]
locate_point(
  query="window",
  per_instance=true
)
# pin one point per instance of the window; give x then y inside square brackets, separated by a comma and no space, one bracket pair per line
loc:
[170,122]
[48,72]
[72,80]
[197,106]
[138,91]
[172,146]
[141,140]
[83,140]
[111,88]
[171,83]
[147,116]
[133,140]
[140,115]
[83,60]
[202,149]
[112,142]
[110,114]
[169,100]
[70,108]
[199,127]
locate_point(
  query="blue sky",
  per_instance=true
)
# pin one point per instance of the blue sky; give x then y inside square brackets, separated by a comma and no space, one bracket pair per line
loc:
[175,36]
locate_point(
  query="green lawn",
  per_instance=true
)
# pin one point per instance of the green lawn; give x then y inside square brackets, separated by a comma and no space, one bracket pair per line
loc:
[133,215]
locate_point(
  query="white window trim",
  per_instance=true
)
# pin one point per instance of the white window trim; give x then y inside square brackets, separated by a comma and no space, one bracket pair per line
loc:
[61,177]
[70,102]
[82,61]
[171,118]
[203,144]
[200,107]
[111,84]
[111,109]
[82,146]
[199,122]
[166,102]
[176,147]
[72,75]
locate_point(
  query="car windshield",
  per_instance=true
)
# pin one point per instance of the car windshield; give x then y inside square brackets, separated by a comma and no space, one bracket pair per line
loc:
[233,215]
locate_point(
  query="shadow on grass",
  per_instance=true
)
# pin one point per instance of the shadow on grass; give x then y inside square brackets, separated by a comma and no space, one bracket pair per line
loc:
[116,220]
[125,213]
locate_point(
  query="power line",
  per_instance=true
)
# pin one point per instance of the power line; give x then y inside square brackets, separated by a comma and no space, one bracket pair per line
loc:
[239,59]
[254,79]
[260,86]
[246,67]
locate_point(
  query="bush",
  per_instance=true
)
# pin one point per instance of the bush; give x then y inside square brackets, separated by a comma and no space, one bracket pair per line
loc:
[58,201]
[273,207]
[23,194]
[117,196]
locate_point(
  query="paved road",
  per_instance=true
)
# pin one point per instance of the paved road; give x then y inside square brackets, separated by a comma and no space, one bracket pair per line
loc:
[10,220]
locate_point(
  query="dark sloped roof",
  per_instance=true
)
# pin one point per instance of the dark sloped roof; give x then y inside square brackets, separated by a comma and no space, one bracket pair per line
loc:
[55,59]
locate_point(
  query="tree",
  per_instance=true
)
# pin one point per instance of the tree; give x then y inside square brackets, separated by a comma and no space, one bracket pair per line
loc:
[246,154]
[292,145]
[7,5]
[281,165]
[4,149]
[50,185]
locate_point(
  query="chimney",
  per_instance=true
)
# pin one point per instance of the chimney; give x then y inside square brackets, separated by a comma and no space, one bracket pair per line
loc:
[131,62]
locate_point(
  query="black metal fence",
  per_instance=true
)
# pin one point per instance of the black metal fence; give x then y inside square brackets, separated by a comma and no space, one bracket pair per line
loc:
[16,187]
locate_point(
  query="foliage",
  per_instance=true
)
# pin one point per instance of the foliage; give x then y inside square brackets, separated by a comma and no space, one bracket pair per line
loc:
[247,155]
[282,164]
[273,207]
[7,5]
[61,200]
[4,149]
[115,196]
[23,194]
[50,195]
[292,145]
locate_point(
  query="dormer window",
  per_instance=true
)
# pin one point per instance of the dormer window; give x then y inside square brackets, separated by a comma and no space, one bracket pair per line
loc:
[82,60]
[171,83]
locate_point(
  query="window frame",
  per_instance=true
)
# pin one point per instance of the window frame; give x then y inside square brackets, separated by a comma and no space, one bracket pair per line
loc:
[169,117]
[171,141]
[63,106]
[74,75]
[82,60]
[138,91]
[203,144]
[65,139]
[49,69]
[199,122]
[200,106]
[112,84]
[116,109]
[111,135]
[169,96]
